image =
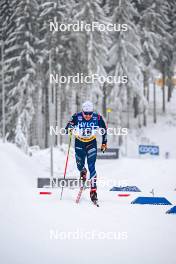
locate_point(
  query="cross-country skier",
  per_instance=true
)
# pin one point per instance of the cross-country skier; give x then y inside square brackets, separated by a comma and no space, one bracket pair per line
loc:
[85,124]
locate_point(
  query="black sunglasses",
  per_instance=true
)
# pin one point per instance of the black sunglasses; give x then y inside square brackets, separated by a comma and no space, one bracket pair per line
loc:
[88,113]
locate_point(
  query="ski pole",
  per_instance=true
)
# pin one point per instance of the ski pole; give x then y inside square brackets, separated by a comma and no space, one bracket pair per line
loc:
[66,163]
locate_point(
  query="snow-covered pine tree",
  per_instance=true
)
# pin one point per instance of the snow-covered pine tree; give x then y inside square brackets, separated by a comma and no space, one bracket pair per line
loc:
[94,43]
[64,56]
[172,23]
[162,26]
[22,62]
[5,77]
[150,42]
[20,138]
[150,39]
[47,12]
[124,58]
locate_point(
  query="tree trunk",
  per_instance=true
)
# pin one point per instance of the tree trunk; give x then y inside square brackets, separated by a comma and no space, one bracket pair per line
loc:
[46,114]
[145,93]
[135,106]
[77,101]
[170,86]
[104,99]
[164,89]
[154,102]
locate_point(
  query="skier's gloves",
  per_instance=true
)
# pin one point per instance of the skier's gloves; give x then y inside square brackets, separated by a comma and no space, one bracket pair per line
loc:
[70,130]
[103,147]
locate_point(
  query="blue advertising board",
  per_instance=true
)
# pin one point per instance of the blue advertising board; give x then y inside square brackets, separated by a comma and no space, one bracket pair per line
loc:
[148,149]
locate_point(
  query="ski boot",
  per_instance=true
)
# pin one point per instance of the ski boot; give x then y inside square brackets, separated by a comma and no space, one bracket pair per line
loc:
[93,196]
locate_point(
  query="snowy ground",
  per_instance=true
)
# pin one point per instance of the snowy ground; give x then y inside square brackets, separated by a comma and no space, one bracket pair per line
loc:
[42,229]
[31,224]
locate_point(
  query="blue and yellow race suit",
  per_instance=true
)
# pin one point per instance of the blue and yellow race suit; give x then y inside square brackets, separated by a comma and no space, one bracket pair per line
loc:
[85,141]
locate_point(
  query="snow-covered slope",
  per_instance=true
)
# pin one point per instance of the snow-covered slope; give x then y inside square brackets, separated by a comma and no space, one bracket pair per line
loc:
[161,134]
[42,229]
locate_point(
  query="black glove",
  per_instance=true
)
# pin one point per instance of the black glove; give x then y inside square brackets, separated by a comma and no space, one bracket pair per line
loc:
[103,147]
